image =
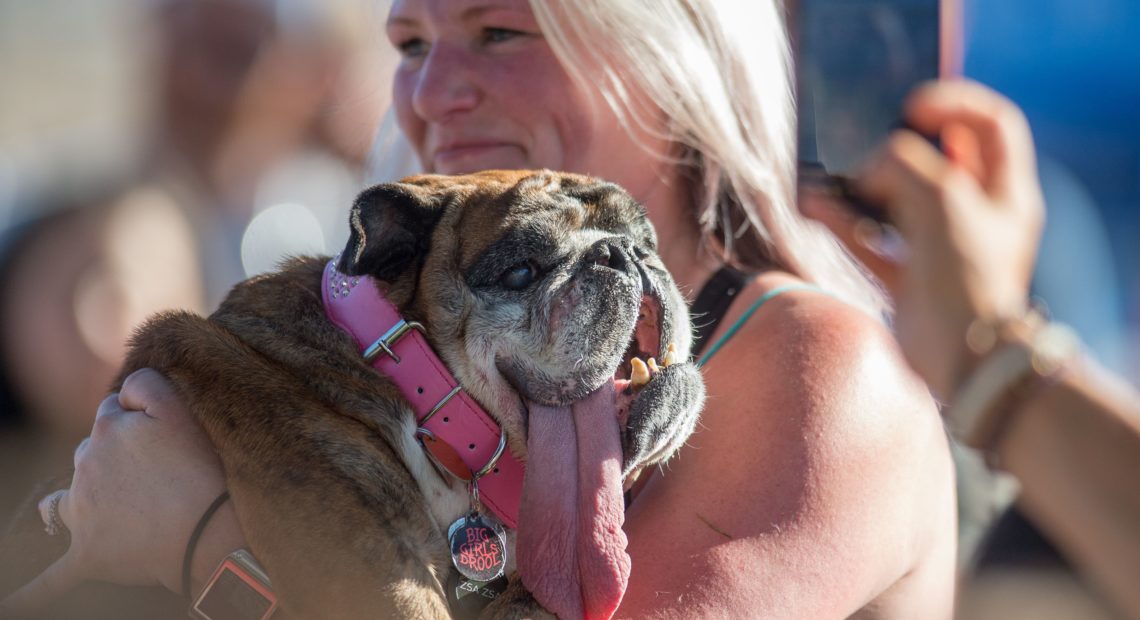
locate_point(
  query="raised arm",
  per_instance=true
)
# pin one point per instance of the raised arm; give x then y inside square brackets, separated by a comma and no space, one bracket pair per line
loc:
[1068,430]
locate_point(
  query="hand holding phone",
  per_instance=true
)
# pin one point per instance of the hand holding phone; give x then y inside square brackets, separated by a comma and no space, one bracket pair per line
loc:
[857,61]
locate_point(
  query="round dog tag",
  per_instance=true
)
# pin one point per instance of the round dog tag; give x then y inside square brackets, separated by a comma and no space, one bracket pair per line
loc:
[478,547]
[467,598]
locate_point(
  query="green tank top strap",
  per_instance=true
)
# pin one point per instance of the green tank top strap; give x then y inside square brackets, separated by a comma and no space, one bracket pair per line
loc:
[748,314]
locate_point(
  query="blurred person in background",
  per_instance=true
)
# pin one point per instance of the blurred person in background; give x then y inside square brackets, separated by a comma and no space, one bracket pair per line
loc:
[246,89]
[1062,60]
[256,102]
[243,87]
[1019,389]
[1065,63]
[71,290]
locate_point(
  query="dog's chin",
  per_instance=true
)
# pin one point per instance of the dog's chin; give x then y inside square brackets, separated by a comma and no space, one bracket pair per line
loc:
[535,386]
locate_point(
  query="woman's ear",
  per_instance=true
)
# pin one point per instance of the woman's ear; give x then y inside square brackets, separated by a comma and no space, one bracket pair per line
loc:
[391,228]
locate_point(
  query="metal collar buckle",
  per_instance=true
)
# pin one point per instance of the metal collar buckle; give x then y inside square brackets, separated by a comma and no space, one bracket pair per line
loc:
[450,460]
[388,340]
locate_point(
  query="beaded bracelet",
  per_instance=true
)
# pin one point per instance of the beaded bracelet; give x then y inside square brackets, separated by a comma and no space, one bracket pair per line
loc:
[1017,357]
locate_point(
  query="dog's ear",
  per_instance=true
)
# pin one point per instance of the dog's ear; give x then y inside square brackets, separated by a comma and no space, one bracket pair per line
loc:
[391,227]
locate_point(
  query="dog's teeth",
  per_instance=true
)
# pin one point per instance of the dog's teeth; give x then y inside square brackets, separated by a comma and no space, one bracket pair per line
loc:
[639,374]
[652,363]
[670,355]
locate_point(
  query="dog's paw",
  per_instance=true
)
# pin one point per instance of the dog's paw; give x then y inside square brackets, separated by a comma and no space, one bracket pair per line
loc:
[663,416]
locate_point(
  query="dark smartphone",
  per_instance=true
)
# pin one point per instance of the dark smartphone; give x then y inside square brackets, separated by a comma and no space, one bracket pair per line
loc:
[856,61]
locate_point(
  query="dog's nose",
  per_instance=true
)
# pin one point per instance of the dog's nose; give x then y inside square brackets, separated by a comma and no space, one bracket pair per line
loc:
[609,253]
[617,254]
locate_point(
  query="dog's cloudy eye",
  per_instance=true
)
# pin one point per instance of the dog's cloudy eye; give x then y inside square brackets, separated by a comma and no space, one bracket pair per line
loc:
[519,276]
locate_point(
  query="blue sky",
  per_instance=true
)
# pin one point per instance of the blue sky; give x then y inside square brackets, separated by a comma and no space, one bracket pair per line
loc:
[1074,67]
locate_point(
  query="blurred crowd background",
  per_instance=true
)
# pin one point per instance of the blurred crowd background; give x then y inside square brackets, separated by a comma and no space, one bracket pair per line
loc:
[154,152]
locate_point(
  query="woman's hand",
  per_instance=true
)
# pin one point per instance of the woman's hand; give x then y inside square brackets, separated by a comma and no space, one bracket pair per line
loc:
[142,481]
[971,219]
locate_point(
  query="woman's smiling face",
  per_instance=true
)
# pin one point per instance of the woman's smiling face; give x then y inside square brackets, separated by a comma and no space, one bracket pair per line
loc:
[478,87]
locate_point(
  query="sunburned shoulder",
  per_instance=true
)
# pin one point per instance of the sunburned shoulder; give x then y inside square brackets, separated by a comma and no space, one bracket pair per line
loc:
[816,392]
[821,363]
[833,484]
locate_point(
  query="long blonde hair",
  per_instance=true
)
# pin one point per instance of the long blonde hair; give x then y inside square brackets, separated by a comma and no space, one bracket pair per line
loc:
[720,72]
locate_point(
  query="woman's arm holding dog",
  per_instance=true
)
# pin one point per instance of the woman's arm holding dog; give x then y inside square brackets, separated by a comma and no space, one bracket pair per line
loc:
[311,486]
[142,480]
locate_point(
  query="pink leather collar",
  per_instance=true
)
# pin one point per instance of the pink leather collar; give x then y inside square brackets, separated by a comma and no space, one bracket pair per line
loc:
[398,350]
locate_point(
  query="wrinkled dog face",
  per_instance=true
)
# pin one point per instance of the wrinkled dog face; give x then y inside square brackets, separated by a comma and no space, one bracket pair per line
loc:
[539,288]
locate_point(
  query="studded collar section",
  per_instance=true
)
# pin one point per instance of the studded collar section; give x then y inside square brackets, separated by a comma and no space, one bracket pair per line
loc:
[398,349]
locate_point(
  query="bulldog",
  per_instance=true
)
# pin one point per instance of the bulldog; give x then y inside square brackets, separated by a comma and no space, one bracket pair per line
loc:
[544,297]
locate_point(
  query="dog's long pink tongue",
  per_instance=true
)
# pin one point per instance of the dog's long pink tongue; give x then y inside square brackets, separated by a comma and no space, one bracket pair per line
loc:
[571,548]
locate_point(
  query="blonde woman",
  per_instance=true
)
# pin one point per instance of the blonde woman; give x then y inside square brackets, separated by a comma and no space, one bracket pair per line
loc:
[819,484]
